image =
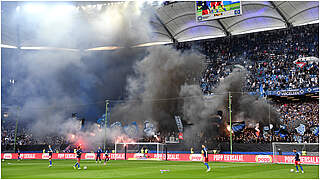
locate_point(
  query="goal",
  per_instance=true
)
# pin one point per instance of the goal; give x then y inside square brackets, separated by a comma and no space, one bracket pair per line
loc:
[141,151]
[282,151]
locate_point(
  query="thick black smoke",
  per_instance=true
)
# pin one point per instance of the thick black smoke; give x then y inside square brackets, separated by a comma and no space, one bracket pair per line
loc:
[248,108]
[155,87]
[156,83]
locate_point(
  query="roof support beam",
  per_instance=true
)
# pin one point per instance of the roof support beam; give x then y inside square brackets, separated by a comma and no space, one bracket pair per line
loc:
[224,28]
[197,26]
[253,18]
[281,14]
[165,27]
[303,11]
[180,16]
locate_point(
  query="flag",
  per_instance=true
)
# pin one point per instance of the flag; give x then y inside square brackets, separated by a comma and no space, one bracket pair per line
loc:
[101,120]
[282,135]
[238,127]
[300,64]
[282,127]
[257,129]
[181,135]
[116,124]
[301,129]
[266,128]
[261,91]
[135,125]
[297,138]
[316,131]
[179,123]
[258,133]
[271,126]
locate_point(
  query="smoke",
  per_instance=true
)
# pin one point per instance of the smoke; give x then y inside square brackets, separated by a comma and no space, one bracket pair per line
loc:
[248,108]
[51,85]
[153,92]
[156,83]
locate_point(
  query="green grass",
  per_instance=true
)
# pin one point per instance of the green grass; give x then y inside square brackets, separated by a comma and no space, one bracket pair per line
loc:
[62,169]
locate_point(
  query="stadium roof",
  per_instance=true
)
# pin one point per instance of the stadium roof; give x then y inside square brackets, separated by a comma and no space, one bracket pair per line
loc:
[180,20]
[173,22]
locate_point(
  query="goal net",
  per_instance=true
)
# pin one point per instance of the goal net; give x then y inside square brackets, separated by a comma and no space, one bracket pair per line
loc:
[282,152]
[141,151]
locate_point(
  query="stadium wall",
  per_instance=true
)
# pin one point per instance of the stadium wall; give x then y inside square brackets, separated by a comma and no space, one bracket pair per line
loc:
[312,160]
[225,146]
[174,148]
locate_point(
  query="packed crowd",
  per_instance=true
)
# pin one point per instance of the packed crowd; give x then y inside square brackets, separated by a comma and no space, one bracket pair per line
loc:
[250,136]
[7,136]
[25,137]
[269,58]
[282,74]
[291,116]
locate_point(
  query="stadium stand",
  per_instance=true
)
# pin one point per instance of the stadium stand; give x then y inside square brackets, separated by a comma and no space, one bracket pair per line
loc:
[268,67]
[268,57]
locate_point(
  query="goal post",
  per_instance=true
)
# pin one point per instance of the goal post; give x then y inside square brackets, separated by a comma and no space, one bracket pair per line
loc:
[282,152]
[141,151]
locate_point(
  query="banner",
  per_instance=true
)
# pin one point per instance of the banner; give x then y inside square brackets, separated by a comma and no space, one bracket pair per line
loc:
[303,159]
[131,130]
[301,129]
[173,157]
[89,156]
[292,92]
[149,129]
[196,157]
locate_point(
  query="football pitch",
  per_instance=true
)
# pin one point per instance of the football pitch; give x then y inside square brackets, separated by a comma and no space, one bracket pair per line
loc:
[135,169]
